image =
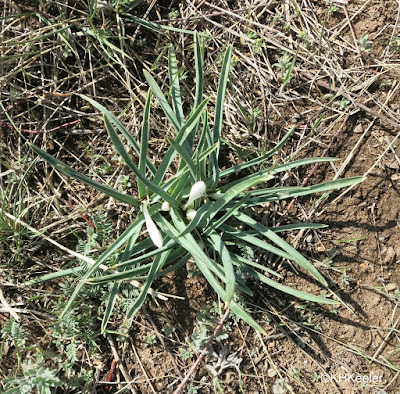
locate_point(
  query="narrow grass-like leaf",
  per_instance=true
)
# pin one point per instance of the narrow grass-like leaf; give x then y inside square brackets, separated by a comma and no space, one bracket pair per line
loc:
[134,273]
[54,275]
[298,226]
[131,5]
[240,261]
[121,128]
[69,171]
[289,72]
[35,38]
[125,236]
[229,212]
[122,152]
[282,168]
[198,59]
[201,213]
[258,160]
[180,263]
[330,185]
[157,27]
[190,123]
[212,265]
[231,232]
[112,298]
[272,236]
[162,101]
[178,182]
[234,191]
[155,268]
[297,163]
[202,146]
[144,142]
[222,250]
[289,290]
[219,106]
[188,242]
[175,88]
[267,195]
[219,110]
[186,158]
[169,245]
[140,247]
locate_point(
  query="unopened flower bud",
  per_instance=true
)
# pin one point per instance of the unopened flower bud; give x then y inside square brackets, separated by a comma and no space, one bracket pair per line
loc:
[152,229]
[216,195]
[165,207]
[190,214]
[197,191]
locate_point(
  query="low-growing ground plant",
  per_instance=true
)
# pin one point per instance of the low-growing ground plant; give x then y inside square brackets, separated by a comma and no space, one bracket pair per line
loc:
[191,208]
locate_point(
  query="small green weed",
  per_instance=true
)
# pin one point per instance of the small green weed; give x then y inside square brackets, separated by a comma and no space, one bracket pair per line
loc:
[35,377]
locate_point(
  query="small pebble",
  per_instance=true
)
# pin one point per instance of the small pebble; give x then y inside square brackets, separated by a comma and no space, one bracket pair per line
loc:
[391,286]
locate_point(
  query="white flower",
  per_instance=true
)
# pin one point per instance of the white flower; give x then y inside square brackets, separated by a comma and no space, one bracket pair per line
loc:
[190,214]
[152,229]
[197,191]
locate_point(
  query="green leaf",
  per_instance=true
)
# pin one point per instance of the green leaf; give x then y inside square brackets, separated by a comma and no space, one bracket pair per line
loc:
[239,260]
[54,275]
[289,290]
[198,59]
[231,232]
[112,298]
[202,260]
[185,157]
[182,134]
[131,231]
[134,272]
[144,142]
[155,268]
[282,168]
[169,245]
[158,27]
[296,256]
[115,289]
[289,71]
[162,101]
[294,164]
[234,191]
[201,213]
[297,226]
[219,110]
[131,5]
[120,128]
[175,88]
[121,150]
[229,212]
[258,160]
[68,171]
[222,250]
[267,195]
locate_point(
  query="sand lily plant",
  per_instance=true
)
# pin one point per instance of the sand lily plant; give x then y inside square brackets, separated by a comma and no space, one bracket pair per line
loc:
[192,209]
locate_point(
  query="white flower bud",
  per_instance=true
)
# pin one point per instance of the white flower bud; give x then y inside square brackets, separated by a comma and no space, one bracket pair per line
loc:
[190,214]
[152,229]
[197,191]
[216,195]
[165,207]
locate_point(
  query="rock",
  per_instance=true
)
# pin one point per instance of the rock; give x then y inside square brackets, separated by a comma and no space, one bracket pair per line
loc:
[388,255]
